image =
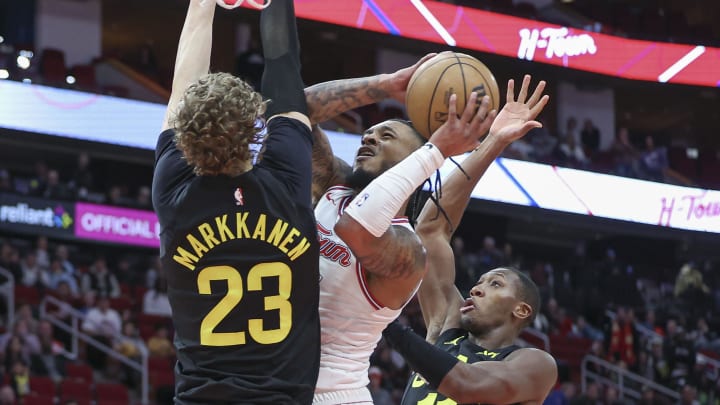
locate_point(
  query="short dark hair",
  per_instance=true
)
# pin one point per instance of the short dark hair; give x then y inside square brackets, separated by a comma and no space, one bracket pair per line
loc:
[409,124]
[528,292]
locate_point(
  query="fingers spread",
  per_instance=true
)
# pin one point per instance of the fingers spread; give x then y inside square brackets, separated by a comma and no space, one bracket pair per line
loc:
[536,94]
[537,108]
[470,107]
[524,89]
[510,96]
[452,108]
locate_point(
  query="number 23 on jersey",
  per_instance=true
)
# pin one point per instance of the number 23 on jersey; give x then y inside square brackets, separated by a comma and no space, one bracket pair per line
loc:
[236,289]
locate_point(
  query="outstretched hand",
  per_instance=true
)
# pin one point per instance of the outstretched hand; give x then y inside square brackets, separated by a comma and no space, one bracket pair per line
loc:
[517,117]
[399,80]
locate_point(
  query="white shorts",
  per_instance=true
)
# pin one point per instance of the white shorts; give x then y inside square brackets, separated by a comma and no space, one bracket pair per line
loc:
[359,396]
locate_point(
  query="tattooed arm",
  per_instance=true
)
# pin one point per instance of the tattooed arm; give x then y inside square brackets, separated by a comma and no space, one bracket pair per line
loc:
[330,99]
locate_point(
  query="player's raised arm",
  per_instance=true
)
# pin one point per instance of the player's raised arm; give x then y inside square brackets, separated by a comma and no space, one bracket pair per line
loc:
[439,298]
[393,252]
[329,99]
[193,55]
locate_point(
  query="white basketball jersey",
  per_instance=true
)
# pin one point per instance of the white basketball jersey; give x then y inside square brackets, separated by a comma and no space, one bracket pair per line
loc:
[352,321]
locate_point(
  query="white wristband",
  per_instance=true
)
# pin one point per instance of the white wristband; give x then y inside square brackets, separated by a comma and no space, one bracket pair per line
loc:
[376,205]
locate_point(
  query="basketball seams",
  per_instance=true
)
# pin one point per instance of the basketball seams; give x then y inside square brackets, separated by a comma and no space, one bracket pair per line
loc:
[485,80]
[464,82]
[432,97]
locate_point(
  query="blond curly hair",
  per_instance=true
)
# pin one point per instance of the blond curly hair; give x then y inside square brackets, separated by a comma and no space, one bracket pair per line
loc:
[216,122]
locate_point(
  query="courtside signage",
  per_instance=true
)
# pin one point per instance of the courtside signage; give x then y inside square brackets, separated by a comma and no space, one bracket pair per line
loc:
[36,215]
[533,40]
[118,225]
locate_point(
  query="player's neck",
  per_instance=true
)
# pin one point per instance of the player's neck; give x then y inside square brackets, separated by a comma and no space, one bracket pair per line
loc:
[501,336]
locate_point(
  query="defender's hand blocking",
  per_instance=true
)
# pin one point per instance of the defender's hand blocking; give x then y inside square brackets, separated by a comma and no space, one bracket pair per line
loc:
[517,117]
[460,134]
[231,4]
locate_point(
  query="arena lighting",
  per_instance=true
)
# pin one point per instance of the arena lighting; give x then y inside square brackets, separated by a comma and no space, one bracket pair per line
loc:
[2,39]
[70,79]
[27,80]
[4,74]
[23,62]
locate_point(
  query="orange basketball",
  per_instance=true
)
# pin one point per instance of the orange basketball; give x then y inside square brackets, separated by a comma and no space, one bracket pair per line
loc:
[435,80]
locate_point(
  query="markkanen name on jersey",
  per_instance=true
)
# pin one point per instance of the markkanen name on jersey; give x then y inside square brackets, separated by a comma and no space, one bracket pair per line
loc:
[212,233]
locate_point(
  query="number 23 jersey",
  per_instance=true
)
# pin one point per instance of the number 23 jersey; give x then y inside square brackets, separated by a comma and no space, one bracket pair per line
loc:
[241,259]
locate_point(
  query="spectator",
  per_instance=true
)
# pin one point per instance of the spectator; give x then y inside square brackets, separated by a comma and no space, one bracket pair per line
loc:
[63,255]
[19,377]
[41,252]
[143,198]
[59,276]
[6,185]
[581,329]
[103,324]
[379,394]
[489,257]
[680,353]
[465,265]
[689,395]
[571,153]
[7,395]
[653,161]
[55,189]
[49,362]
[571,131]
[33,274]
[25,313]
[591,396]
[543,142]
[100,280]
[622,338]
[39,181]
[155,301]
[590,137]
[29,342]
[153,271]
[625,155]
[10,261]
[82,179]
[159,345]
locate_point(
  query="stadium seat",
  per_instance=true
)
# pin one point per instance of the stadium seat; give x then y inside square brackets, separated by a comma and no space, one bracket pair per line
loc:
[36,399]
[75,389]
[84,77]
[43,386]
[110,391]
[80,372]
[26,295]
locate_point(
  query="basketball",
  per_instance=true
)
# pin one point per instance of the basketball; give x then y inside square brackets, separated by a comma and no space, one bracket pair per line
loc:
[431,85]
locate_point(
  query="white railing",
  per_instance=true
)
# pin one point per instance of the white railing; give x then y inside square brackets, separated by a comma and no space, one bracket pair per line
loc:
[8,290]
[628,384]
[73,329]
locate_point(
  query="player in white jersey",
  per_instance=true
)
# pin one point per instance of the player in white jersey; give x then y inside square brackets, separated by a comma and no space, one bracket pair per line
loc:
[371,261]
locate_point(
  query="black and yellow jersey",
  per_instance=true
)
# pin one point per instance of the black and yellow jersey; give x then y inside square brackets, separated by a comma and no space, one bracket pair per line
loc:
[241,259]
[455,342]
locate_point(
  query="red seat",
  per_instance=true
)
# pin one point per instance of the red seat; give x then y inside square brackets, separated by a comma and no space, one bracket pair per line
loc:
[160,365]
[75,389]
[84,77]
[162,379]
[26,295]
[110,391]
[120,303]
[52,66]
[35,399]
[43,386]
[80,372]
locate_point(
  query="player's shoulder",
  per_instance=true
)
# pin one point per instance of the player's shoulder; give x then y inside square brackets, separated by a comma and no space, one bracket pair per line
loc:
[532,354]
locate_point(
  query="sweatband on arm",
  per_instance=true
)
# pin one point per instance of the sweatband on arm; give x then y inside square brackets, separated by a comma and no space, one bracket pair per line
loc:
[427,360]
[378,203]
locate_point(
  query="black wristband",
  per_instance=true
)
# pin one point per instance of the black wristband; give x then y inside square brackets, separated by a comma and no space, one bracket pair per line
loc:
[429,361]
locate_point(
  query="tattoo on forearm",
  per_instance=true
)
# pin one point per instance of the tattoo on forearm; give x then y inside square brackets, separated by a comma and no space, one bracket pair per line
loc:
[330,99]
[323,163]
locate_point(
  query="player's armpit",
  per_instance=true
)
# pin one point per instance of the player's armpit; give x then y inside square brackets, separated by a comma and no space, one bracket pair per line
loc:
[327,170]
[525,375]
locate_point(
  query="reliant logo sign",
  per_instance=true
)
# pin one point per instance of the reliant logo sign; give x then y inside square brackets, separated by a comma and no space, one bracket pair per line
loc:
[27,214]
[556,42]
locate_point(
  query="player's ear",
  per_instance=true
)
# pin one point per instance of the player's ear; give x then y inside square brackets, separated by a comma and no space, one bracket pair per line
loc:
[522,310]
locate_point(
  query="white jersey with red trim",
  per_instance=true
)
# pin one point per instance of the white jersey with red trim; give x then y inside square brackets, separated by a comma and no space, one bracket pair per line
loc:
[351,320]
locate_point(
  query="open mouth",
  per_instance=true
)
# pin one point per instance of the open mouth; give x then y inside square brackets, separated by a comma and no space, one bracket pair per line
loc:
[468,306]
[364,153]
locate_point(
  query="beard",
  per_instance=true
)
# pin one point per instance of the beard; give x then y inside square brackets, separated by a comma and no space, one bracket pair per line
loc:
[359,179]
